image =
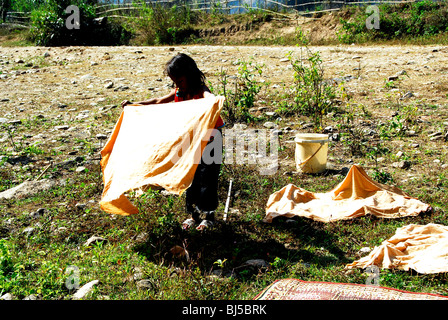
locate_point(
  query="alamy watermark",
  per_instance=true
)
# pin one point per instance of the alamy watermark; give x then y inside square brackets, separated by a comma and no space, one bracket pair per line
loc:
[241,146]
[72,281]
[373,21]
[374,275]
[73,21]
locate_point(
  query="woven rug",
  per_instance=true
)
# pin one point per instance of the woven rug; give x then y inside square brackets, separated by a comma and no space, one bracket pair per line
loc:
[294,289]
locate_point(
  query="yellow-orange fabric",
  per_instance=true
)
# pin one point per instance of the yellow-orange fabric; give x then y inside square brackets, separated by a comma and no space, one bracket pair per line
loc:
[423,248]
[355,196]
[157,146]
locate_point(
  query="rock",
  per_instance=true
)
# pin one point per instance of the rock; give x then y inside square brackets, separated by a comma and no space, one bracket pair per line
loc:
[80,206]
[80,169]
[101,136]
[15,122]
[256,263]
[407,96]
[121,88]
[308,125]
[392,78]
[401,164]
[27,188]
[85,289]
[364,250]
[435,134]
[328,129]
[86,77]
[138,274]
[109,85]
[435,138]
[270,125]
[414,145]
[142,237]
[334,137]
[271,113]
[32,297]
[145,284]
[28,231]
[39,213]
[93,239]
[7,296]
[64,127]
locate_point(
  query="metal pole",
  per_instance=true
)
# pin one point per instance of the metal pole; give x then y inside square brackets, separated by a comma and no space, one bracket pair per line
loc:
[228,200]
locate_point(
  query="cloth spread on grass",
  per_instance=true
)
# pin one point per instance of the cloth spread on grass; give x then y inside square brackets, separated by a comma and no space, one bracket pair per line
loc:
[423,248]
[157,146]
[355,196]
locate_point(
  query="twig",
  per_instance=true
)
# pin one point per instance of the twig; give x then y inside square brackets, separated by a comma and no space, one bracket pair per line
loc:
[42,173]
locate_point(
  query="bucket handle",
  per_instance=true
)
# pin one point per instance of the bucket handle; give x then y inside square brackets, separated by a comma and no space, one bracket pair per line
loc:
[303,163]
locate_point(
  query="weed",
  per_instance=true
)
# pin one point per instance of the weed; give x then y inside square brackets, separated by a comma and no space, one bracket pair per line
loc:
[312,94]
[247,86]
[411,20]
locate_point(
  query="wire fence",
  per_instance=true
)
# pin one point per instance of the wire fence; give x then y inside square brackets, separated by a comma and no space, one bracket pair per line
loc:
[287,8]
[299,7]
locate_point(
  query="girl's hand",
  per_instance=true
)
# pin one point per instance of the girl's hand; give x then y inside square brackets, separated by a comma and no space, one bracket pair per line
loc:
[125,102]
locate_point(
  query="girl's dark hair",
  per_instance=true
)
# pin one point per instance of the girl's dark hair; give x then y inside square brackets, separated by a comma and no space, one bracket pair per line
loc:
[183,65]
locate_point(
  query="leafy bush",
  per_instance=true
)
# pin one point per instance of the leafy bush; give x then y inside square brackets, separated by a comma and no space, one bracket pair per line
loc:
[48,26]
[246,88]
[161,25]
[422,18]
[313,95]
[9,273]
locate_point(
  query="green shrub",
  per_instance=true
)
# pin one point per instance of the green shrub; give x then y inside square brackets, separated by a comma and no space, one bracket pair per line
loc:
[48,26]
[9,272]
[246,89]
[313,95]
[162,25]
[423,18]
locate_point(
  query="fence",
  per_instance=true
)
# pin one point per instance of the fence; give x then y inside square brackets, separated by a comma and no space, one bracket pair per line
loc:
[124,8]
[241,6]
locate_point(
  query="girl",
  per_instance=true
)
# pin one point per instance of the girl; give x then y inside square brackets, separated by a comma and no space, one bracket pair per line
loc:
[202,195]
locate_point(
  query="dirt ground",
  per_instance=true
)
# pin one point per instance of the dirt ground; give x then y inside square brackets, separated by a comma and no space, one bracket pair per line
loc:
[78,86]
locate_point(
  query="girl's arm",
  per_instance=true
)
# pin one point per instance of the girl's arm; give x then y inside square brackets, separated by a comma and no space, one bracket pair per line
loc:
[165,99]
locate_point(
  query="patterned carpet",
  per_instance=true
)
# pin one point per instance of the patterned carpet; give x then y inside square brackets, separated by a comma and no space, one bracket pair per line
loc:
[294,289]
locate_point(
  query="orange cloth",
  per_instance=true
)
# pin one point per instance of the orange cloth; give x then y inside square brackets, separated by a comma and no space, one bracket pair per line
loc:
[156,146]
[355,196]
[423,248]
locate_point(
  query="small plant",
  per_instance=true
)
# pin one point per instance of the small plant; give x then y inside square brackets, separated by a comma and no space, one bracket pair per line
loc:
[9,272]
[312,94]
[220,263]
[242,98]
[382,176]
[392,128]
[162,25]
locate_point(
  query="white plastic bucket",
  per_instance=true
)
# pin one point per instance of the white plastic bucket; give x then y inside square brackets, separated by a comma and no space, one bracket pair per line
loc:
[311,152]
